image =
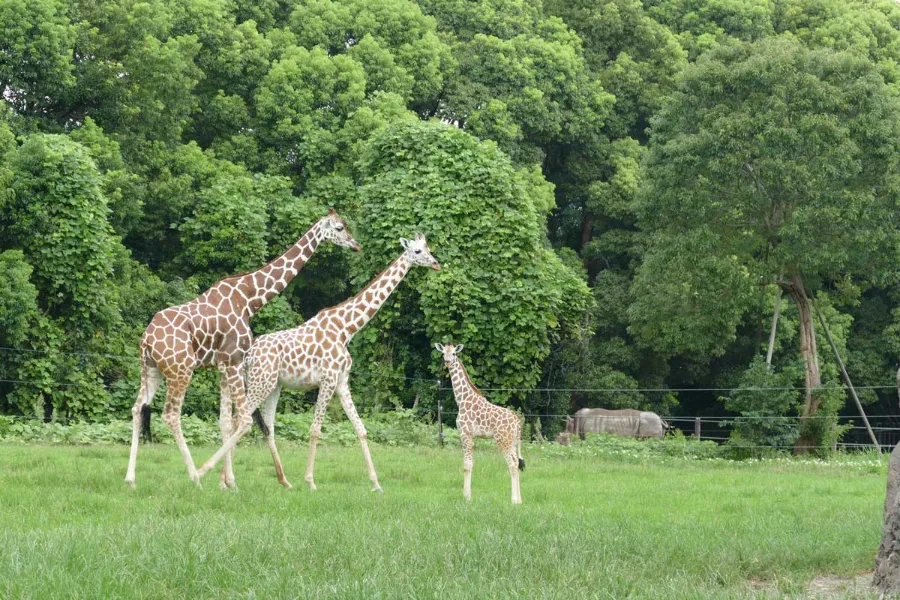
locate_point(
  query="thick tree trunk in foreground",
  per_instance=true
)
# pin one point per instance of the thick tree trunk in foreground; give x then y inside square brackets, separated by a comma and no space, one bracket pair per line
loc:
[887,561]
[808,439]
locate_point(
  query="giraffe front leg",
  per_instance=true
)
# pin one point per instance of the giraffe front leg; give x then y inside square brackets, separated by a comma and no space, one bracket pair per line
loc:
[326,390]
[468,446]
[360,429]
[262,378]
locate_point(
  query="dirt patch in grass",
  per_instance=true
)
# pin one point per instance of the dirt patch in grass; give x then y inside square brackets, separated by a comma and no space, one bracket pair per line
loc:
[821,587]
[826,586]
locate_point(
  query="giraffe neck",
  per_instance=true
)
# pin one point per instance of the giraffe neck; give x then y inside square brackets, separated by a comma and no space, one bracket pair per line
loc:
[362,307]
[269,281]
[463,389]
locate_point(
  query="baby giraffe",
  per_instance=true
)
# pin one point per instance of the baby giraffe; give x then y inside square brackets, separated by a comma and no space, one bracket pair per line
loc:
[315,355]
[479,418]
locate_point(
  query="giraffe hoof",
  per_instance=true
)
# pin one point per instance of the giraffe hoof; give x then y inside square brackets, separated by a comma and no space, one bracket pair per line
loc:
[377,488]
[287,484]
[312,486]
[195,477]
[130,483]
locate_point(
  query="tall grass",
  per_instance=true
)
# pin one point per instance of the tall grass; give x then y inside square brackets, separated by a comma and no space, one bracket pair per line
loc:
[590,526]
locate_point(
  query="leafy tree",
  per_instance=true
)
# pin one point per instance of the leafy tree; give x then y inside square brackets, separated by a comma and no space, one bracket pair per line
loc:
[302,104]
[635,57]
[702,25]
[58,217]
[35,53]
[397,46]
[18,299]
[501,291]
[772,163]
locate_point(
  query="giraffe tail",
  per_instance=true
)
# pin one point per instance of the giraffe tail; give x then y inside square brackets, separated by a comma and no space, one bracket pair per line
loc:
[519,450]
[145,423]
[257,418]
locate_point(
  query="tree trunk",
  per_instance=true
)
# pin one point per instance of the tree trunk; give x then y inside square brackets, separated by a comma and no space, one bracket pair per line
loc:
[808,438]
[774,330]
[887,561]
[587,229]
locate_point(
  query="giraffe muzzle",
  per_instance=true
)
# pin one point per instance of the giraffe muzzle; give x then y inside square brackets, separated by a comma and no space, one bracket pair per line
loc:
[435,266]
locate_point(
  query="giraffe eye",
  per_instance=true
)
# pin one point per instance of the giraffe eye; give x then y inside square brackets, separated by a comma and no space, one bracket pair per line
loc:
[340,227]
[418,251]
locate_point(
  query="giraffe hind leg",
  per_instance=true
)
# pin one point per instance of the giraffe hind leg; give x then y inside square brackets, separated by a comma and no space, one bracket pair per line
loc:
[262,378]
[512,462]
[266,422]
[150,381]
[231,385]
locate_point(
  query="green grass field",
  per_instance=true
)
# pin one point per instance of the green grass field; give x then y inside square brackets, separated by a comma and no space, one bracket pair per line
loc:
[589,527]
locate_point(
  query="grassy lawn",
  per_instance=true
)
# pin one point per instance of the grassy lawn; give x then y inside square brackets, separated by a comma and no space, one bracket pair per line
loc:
[589,527]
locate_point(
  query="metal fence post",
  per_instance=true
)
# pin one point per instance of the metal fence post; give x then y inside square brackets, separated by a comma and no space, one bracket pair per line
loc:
[440,413]
[697,427]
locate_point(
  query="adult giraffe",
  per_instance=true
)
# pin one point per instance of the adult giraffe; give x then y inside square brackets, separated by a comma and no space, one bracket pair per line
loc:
[315,355]
[213,330]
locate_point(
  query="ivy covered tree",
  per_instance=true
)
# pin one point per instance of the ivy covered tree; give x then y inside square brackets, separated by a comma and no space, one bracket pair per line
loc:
[501,290]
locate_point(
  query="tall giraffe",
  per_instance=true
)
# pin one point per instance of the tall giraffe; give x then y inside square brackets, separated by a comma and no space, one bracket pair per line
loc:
[213,330]
[315,355]
[479,418]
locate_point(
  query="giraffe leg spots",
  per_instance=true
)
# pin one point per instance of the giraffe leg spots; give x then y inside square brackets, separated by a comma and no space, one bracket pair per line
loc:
[343,391]
[468,447]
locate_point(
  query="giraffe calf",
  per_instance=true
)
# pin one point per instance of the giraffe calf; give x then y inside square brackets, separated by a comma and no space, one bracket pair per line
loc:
[479,418]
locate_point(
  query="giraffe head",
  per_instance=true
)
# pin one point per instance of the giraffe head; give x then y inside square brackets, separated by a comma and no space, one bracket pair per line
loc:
[449,351]
[418,253]
[334,229]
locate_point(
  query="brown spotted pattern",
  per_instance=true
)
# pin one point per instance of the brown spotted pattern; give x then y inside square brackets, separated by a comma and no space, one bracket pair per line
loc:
[479,418]
[213,330]
[315,355]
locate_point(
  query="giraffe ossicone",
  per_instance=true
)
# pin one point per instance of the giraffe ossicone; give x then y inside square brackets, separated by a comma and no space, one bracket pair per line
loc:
[315,355]
[476,417]
[213,330]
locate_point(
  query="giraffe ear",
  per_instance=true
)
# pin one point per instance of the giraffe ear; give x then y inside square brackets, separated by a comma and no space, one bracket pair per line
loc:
[440,347]
[420,236]
[331,211]
[405,243]
[458,349]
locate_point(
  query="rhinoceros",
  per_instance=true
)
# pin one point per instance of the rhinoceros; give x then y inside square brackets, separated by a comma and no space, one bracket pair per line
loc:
[624,423]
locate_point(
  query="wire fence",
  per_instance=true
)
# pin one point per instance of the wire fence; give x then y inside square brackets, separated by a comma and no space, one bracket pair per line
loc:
[716,428]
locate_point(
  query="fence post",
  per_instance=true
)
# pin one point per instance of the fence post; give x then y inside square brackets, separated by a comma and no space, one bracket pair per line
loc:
[440,413]
[697,427]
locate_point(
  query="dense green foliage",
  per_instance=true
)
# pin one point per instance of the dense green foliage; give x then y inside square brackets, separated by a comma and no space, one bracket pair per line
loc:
[616,189]
[680,529]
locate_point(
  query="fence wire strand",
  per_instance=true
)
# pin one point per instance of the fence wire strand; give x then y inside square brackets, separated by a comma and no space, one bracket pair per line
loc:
[718,426]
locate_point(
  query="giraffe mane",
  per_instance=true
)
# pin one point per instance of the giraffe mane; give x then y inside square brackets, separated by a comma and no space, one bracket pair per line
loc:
[245,273]
[466,375]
